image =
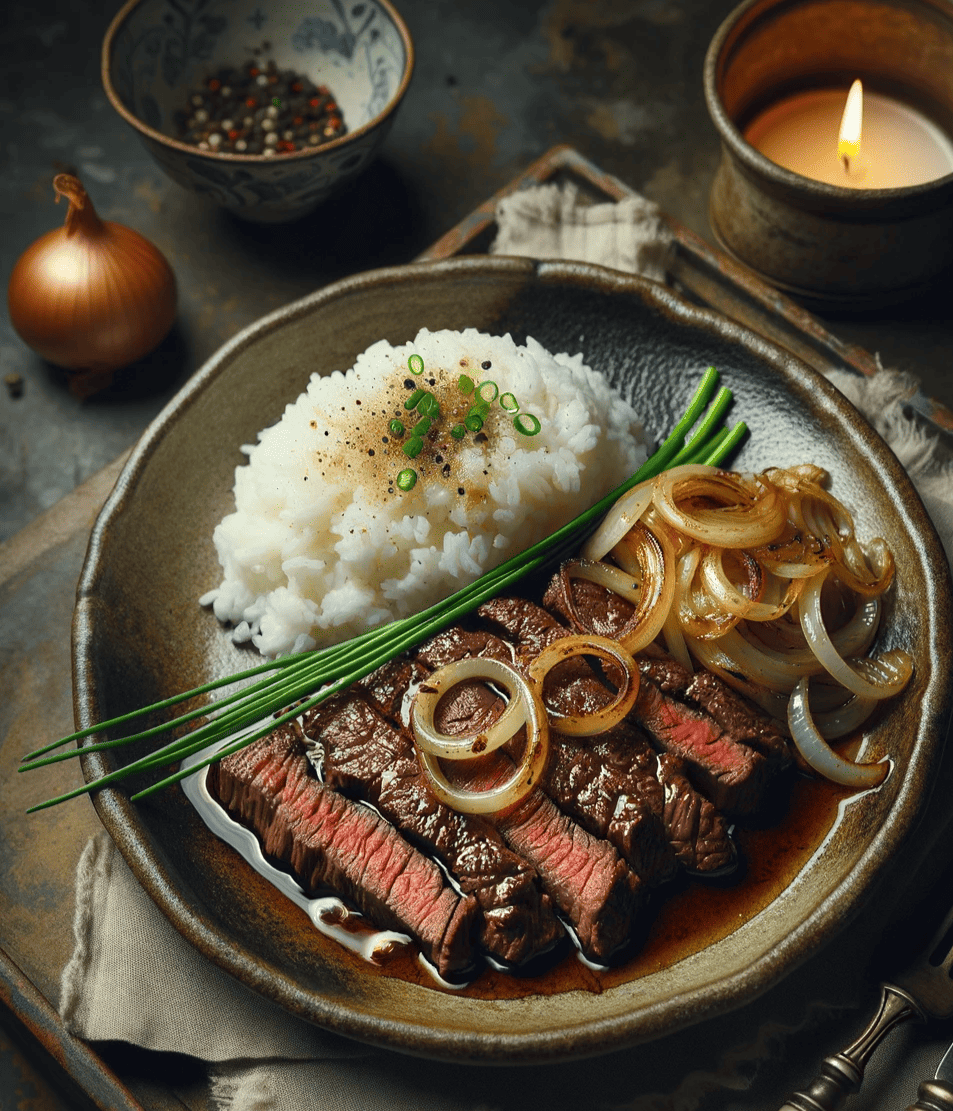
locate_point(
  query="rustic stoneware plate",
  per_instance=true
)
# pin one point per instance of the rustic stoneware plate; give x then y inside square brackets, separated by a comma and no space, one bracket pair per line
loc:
[140,634]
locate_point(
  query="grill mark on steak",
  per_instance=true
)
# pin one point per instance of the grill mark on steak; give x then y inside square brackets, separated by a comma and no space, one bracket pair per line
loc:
[329,842]
[366,755]
[731,751]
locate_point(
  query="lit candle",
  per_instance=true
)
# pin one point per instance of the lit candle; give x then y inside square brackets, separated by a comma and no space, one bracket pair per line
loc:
[871,142]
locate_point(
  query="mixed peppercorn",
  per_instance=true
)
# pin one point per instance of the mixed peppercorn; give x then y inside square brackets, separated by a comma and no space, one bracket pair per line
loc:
[260,109]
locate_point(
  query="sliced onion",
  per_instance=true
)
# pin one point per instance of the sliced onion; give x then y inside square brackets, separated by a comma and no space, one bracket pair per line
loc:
[818,753]
[648,552]
[526,774]
[730,597]
[752,510]
[675,643]
[598,721]
[464,746]
[645,581]
[886,679]
[698,613]
[622,517]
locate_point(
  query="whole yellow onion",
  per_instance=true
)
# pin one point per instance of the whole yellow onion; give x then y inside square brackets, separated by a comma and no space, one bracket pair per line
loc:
[91,295]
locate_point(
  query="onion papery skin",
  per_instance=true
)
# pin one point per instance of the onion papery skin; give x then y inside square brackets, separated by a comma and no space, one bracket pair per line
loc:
[91,295]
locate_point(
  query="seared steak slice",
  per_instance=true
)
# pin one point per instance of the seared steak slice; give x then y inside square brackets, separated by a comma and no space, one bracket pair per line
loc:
[587,879]
[608,789]
[696,831]
[730,750]
[332,843]
[612,783]
[366,755]
[733,776]
[584,875]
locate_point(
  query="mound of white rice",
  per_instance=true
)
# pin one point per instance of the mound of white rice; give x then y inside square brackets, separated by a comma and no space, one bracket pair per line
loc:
[323,543]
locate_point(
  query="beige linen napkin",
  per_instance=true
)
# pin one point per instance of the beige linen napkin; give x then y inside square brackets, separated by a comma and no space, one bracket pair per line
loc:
[133,978]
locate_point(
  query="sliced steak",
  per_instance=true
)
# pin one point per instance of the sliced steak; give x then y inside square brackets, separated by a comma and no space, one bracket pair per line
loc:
[329,842]
[584,874]
[610,792]
[366,755]
[596,890]
[731,751]
[696,831]
[614,783]
[733,776]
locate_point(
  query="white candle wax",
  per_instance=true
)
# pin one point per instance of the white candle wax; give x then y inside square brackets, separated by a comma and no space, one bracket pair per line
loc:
[899,145]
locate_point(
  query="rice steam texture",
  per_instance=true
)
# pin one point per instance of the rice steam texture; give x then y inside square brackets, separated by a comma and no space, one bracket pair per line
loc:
[323,544]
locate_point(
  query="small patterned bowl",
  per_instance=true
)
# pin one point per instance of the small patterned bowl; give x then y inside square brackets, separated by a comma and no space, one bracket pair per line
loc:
[157,52]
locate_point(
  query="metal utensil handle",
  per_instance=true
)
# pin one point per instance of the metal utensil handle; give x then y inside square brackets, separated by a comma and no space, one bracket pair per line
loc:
[840,1076]
[933,1095]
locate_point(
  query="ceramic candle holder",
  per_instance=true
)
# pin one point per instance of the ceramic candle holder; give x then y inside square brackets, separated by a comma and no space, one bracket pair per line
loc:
[830,246]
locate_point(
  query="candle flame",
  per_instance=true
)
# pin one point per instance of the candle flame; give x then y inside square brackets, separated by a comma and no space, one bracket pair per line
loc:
[848,143]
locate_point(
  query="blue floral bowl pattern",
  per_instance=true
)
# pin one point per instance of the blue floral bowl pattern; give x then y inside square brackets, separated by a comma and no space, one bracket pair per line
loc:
[157,52]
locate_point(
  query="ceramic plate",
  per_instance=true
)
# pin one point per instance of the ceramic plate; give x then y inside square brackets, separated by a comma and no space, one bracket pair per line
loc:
[140,634]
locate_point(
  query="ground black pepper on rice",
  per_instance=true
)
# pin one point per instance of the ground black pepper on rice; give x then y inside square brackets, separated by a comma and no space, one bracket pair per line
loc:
[259,109]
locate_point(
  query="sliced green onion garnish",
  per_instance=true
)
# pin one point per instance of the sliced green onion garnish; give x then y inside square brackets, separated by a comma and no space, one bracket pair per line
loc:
[414,400]
[473,422]
[458,431]
[526,423]
[413,447]
[422,427]
[483,386]
[396,427]
[509,402]
[429,406]
[465,384]
[407,479]
[416,364]
[297,683]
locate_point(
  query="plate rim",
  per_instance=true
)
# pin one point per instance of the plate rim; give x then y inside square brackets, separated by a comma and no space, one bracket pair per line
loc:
[719,995]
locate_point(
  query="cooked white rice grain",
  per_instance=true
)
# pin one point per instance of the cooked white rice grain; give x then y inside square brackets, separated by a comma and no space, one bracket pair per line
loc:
[323,544]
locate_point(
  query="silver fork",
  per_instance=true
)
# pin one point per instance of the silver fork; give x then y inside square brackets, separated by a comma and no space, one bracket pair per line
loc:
[924,990]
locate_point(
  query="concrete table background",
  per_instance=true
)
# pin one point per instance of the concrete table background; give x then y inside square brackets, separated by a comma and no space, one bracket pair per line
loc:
[497,84]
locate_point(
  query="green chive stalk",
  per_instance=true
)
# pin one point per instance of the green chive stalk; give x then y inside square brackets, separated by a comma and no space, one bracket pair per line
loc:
[295,683]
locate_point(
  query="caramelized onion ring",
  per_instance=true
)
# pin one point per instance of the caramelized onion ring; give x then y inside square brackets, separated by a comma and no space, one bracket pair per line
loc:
[818,753]
[622,517]
[644,578]
[526,774]
[878,679]
[464,746]
[597,721]
[752,510]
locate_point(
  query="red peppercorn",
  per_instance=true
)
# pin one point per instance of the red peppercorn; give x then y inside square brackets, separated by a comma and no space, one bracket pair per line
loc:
[323,90]
[332,107]
[298,121]
[314,102]
[254,71]
[214,84]
[335,122]
[233,134]
[251,102]
[296,86]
